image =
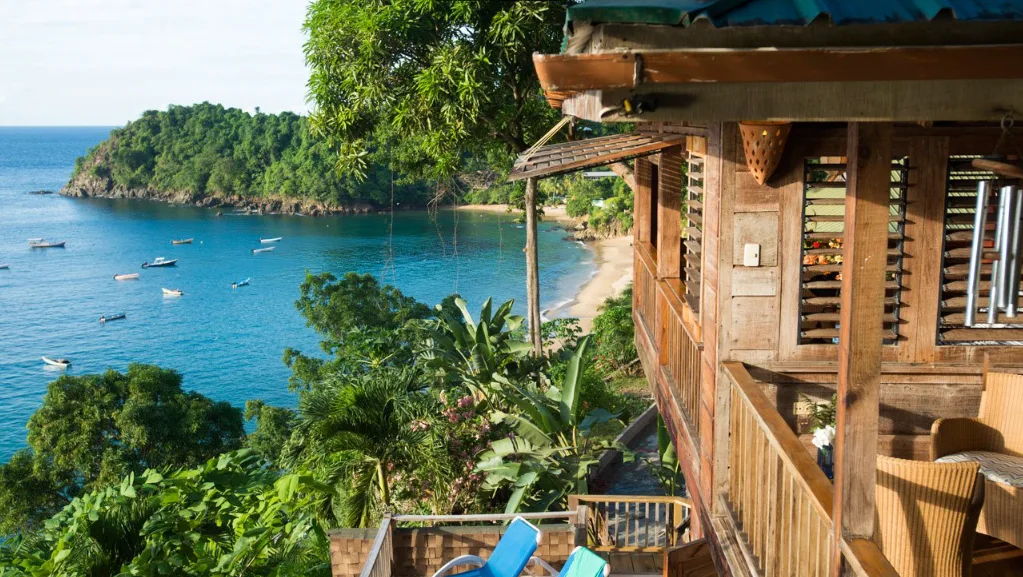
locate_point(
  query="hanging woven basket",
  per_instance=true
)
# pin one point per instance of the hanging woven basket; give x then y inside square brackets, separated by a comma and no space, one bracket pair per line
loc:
[764,142]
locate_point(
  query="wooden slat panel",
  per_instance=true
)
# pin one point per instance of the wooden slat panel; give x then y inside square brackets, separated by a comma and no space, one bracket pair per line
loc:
[577,155]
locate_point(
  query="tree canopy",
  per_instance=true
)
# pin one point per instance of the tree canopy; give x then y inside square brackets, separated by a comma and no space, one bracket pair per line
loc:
[437,81]
[92,430]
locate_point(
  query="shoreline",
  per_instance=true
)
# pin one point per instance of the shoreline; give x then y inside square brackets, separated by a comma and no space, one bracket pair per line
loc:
[613,274]
[551,213]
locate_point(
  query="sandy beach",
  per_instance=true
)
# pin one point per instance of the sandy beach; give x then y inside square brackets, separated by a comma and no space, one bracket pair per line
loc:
[614,268]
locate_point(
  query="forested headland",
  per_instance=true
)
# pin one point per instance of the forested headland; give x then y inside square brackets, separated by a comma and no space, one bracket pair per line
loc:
[214,156]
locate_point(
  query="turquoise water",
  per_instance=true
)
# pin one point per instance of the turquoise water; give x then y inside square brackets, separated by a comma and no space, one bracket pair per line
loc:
[227,343]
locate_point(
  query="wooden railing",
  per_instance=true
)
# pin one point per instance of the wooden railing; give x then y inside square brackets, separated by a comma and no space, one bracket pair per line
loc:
[645,287]
[679,351]
[633,523]
[779,499]
[381,555]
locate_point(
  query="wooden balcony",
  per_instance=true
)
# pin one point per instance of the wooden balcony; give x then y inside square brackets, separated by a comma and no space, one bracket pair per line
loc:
[638,535]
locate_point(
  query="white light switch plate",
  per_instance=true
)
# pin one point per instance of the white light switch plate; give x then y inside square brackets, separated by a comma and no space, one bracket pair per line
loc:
[751,256]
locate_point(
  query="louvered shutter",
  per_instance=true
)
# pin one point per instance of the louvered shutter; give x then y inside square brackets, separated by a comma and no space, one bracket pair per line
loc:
[692,245]
[824,182]
[960,209]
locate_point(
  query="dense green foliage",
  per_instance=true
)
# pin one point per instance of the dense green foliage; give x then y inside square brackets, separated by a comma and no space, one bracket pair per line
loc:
[207,149]
[92,430]
[441,83]
[614,333]
[229,516]
[457,418]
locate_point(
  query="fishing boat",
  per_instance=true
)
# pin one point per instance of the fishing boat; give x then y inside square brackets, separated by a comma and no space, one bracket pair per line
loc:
[160,261]
[241,283]
[42,243]
[259,250]
[269,240]
[114,317]
[129,276]
[62,363]
[172,292]
[183,241]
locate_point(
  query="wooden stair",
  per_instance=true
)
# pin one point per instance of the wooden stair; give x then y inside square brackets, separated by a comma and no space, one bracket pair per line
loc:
[690,560]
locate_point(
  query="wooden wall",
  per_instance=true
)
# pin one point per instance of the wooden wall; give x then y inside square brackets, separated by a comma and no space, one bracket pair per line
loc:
[759,307]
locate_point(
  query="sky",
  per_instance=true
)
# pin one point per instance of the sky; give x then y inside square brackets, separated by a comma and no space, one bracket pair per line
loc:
[104,62]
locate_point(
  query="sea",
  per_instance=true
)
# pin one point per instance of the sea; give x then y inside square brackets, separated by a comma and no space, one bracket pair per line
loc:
[227,343]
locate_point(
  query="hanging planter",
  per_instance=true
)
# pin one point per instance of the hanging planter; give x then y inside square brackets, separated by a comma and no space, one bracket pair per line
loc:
[764,142]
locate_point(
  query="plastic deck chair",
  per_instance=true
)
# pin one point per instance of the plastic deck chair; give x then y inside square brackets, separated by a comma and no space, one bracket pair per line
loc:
[509,557]
[581,563]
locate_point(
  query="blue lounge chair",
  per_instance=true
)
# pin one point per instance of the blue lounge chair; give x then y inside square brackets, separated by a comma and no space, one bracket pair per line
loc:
[581,563]
[509,557]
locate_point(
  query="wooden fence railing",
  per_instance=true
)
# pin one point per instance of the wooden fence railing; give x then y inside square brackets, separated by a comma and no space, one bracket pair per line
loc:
[381,555]
[633,523]
[779,498]
[680,352]
[645,288]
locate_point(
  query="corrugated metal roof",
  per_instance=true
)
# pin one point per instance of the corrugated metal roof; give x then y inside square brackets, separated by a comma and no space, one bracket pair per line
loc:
[724,13]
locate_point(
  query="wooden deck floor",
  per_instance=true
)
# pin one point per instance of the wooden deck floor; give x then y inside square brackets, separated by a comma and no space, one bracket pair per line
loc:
[993,558]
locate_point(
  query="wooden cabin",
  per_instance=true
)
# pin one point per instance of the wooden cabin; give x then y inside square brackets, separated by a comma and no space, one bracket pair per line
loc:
[805,202]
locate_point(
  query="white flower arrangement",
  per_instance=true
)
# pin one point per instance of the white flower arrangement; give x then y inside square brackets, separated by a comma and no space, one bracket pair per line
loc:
[824,436]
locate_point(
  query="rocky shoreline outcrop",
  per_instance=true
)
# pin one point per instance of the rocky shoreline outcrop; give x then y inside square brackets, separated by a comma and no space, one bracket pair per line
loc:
[84,186]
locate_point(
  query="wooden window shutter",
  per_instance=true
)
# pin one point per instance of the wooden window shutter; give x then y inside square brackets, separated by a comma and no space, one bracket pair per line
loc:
[960,209]
[692,229]
[824,180]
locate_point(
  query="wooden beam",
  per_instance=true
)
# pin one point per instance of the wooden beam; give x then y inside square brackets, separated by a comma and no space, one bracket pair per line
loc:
[906,100]
[860,340]
[576,72]
[669,205]
[644,183]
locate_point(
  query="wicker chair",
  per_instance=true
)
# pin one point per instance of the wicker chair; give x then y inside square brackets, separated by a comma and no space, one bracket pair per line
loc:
[995,441]
[926,516]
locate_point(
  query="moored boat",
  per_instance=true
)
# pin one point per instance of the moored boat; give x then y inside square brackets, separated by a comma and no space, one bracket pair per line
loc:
[259,250]
[183,241]
[4,266]
[114,317]
[160,261]
[42,243]
[62,363]
[129,276]
[172,292]
[240,283]
[267,240]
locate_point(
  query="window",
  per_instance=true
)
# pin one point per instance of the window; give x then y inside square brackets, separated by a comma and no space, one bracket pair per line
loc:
[960,209]
[824,180]
[692,229]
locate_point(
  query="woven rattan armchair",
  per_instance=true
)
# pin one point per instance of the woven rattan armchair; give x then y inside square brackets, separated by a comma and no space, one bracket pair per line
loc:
[994,440]
[926,516]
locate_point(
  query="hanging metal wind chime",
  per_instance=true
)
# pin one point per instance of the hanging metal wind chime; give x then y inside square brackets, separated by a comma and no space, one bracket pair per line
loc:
[1004,253]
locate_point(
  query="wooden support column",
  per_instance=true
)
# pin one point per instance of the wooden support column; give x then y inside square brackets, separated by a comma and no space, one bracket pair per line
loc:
[669,222]
[641,199]
[864,257]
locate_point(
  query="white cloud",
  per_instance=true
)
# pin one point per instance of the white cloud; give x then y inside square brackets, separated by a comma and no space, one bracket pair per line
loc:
[103,62]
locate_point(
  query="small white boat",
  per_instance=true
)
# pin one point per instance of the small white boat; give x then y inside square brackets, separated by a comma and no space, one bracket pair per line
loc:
[42,243]
[62,363]
[183,241]
[269,240]
[129,276]
[4,266]
[114,317]
[160,261]
[240,283]
[172,292]
[259,250]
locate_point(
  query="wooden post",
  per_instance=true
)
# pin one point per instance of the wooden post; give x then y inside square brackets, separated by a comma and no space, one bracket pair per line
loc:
[669,222]
[641,199]
[864,257]
[532,269]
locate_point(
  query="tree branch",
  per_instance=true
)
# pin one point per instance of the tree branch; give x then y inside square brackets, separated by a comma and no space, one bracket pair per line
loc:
[627,174]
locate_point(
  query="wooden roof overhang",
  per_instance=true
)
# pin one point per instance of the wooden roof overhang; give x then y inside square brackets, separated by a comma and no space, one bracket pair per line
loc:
[894,83]
[582,154]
